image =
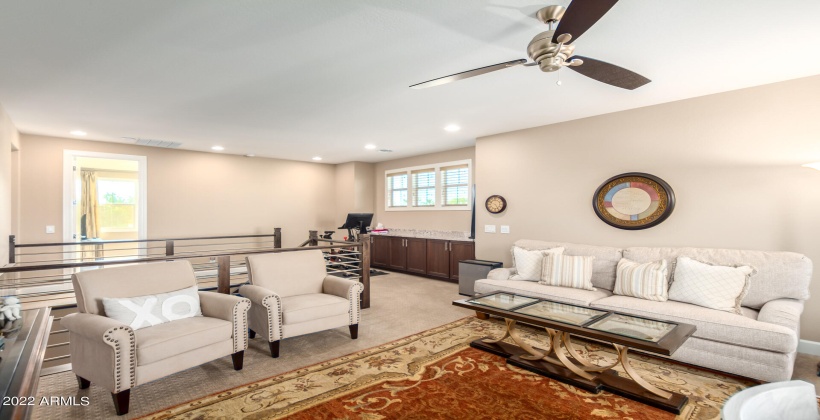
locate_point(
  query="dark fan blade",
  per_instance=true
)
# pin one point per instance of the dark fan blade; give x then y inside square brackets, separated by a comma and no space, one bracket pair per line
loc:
[609,73]
[468,73]
[580,16]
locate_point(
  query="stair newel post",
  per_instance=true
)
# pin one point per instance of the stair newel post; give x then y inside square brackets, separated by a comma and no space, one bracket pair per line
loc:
[277,238]
[313,237]
[169,248]
[223,270]
[12,251]
[364,248]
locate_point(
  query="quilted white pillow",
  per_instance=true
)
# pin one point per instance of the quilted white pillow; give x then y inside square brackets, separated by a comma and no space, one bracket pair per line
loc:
[528,263]
[711,286]
[645,281]
[567,271]
[146,311]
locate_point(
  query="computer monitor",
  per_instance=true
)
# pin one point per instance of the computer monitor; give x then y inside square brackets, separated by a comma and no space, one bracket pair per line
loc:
[359,221]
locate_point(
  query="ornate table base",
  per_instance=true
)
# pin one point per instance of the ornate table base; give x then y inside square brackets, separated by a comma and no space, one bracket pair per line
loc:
[562,361]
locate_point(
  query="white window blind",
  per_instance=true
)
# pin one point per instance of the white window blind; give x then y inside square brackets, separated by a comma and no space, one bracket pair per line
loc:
[397,190]
[455,185]
[424,188]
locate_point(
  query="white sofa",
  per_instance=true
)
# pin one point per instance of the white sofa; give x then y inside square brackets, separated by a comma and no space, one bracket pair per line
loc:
[760,344]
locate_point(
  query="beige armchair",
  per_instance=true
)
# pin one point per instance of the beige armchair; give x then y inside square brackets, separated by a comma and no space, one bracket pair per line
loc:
[112,355]
[292,294]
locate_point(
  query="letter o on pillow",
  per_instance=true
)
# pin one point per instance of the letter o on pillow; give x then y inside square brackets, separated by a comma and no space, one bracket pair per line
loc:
[181,301]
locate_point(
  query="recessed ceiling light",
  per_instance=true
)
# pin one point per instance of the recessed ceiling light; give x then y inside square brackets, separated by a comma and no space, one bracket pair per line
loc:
[218,148]
[813,165]
[370,146]
[78,133]
[452,128]
[250,155]
[317,158]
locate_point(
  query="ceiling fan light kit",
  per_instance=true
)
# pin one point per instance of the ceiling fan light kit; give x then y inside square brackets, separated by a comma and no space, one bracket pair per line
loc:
[553,50]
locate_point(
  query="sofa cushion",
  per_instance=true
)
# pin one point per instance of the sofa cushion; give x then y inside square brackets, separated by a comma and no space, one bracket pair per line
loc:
[176,337]
[150,310]
[645,281]
[603,267]
[741,330]
[780,274]
[528,263]
[559,294]
[567,271]
[301,308]
[711,286]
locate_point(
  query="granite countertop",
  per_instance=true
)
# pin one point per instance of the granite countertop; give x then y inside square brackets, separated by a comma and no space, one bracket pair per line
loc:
[450,235]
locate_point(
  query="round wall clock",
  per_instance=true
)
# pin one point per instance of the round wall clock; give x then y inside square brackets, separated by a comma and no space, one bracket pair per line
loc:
[633,201]
[495,204]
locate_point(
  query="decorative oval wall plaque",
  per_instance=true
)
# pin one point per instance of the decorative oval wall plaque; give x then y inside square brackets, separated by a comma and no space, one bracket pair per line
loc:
[633,201]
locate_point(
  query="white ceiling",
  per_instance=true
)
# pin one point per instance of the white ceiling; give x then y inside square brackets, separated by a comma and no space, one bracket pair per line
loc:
[296,79]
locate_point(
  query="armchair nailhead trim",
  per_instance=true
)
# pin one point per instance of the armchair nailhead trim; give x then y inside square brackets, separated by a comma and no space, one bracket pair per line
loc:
[266,303]
[109,338]
[353,293]
[236,309]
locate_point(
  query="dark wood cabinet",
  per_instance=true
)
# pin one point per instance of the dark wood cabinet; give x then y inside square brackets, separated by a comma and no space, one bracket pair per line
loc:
[416,255]
[436,258]
[380,251]
[398,254]
[460,251]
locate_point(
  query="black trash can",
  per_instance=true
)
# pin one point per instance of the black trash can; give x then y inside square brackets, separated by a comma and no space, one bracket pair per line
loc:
[471,270]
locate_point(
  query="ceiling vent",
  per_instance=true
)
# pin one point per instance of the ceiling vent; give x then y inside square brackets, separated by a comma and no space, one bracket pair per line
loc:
[154,143]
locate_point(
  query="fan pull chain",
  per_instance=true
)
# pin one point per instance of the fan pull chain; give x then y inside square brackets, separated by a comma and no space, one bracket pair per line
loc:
[559,78]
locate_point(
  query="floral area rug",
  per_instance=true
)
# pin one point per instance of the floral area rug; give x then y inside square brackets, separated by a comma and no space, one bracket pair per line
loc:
[437,375]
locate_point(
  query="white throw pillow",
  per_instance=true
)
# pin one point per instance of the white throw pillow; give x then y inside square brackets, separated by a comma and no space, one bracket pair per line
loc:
[146,311]
[567,271]
[711,286]
[645,281]
[528,263]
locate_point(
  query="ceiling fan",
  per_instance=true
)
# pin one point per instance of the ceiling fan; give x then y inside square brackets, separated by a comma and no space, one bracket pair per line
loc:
[553,50]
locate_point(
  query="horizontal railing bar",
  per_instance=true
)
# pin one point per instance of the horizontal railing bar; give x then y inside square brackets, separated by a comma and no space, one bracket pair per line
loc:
[219,244]
[75,251]
[116,241]
[51,346]
[59,331]
[335,241]
[13,269]
[50,359]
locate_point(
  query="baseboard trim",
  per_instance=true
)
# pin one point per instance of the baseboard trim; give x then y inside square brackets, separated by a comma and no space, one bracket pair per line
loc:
[809,347]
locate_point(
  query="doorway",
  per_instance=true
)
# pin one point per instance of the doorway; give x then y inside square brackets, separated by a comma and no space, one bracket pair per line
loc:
[105,198]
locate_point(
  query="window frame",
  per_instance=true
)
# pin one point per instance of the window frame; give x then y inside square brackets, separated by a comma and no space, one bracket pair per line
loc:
[437,169]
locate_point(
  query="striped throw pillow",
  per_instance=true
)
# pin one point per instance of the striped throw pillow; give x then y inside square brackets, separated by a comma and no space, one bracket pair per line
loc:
[645,281]
[567,271]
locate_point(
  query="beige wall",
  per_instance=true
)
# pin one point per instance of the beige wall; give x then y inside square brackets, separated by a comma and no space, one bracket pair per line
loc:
[733,160]
[9,139]
[189,193]
[456,220]
[354,191]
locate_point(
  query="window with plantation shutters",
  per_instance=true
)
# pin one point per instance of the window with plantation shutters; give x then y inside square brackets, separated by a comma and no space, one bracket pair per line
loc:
[442,186]
[455,185]
[424,188]
[397,190]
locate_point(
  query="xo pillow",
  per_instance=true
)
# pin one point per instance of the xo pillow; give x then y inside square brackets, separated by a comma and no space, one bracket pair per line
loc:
[147,311]
[645,281]
[711,286]
[528,263]
[567,271]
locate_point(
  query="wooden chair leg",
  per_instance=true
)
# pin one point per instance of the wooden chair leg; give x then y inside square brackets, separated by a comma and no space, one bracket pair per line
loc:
[121,400]
[238,359]
[274,348]
[482,315]
[83,383]
[251,333]
[354,331]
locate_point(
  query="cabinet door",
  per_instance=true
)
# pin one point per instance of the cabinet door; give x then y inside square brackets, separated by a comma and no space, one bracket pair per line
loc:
[398,254]
[438,258]
[380,251]
[417,255]
[460,251]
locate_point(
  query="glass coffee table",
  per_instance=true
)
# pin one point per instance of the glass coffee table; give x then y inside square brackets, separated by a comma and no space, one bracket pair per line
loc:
[560,359]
